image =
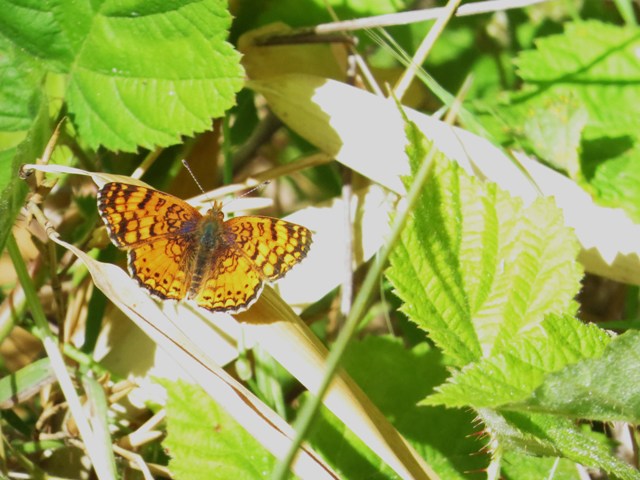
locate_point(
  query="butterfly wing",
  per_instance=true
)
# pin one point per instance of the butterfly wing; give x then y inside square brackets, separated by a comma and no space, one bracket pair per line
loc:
[156,229]
[273,246]
[233,283]
[135,215]
[163,265]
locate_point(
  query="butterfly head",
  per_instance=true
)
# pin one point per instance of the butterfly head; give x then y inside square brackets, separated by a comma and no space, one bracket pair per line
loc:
[216,211]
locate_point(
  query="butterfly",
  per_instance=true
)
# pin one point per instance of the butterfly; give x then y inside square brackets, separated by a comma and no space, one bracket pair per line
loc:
[175,252]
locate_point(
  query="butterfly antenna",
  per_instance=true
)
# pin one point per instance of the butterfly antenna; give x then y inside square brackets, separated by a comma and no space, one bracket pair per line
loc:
[260,185]
[257,187]
[186,165]
[251,190]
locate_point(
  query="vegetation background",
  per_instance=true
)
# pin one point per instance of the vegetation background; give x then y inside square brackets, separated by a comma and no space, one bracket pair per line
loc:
[461,166]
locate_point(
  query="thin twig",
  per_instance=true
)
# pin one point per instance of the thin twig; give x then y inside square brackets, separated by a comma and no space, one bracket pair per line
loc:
[414,16]
[149,160]
[354,55]
[425,47]
[259,136]
[145,433]
[135,460]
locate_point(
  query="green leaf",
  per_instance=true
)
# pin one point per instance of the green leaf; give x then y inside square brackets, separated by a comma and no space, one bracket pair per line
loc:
[548,435]
[521,366]
[517,466]
[477,269]
[139,73]
[604,388]
[41,30]
[616,180]
[597,63]
[20,94]
[590,70]
[594,66]
[205,443]
[395,379]
[493,282]
[24,128]
[26,382]
[554,127]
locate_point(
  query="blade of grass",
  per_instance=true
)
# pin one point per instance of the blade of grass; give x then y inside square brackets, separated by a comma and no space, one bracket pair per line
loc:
[310,411]
[25,383]
[104,470]
[425,47]
[148,315]
[99,420]
[625,8]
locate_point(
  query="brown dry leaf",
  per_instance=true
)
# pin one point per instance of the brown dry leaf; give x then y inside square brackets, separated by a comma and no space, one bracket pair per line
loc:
[264,61]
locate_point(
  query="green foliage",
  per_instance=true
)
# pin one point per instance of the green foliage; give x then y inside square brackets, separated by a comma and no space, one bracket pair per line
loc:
[137,74]
[513,373]
[205,443]
[552,436]
[516,466]
[587,389]
[23,126]
[396,378]
[554,130]
[20,383]
[573,109]
[20,95]
[595,62]
[477,269]
[492,282]
[21,146]
[615,181]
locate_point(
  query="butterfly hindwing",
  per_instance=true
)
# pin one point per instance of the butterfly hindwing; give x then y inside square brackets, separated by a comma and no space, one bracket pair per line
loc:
[163,266]
[233,283]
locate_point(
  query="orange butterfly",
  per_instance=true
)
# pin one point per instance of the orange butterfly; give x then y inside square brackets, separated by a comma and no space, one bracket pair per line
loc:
[175,252]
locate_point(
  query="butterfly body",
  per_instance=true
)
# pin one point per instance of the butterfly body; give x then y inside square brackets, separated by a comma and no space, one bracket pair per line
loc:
[208,239]
[175,252]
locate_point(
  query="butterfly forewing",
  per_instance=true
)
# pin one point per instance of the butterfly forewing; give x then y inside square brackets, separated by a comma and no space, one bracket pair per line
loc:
[274,246]
[135,214]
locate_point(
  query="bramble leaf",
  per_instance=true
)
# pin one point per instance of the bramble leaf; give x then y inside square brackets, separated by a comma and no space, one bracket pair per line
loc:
[205,443]
[477,269]
[140,74]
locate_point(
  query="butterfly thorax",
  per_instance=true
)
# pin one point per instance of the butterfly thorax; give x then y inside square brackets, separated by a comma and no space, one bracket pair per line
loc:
[209,230]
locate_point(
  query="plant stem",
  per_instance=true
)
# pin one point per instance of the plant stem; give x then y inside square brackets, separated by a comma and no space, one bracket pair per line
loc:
[310,409]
